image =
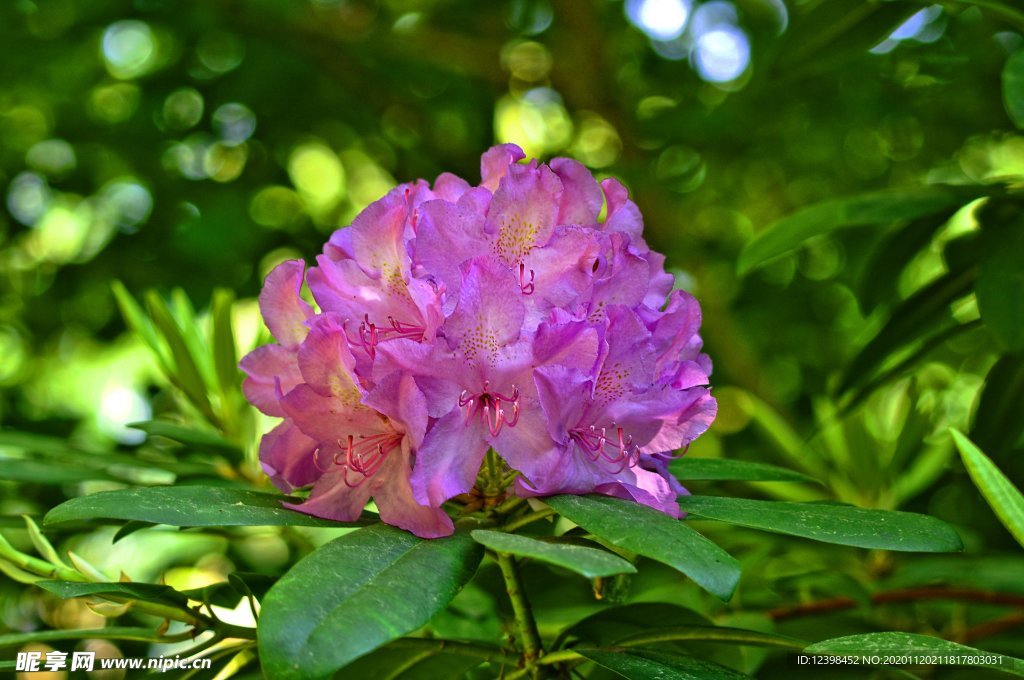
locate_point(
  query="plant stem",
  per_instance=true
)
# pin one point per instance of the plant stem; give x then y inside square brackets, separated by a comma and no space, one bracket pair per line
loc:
[528,519]
[530,638]
[836,604]
[468,649]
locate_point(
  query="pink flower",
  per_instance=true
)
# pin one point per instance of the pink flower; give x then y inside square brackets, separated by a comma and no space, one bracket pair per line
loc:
[456,319]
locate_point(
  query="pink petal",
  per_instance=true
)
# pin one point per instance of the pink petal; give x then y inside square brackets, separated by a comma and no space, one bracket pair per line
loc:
[272,370]
[495,162]
[581,196]
[284,312]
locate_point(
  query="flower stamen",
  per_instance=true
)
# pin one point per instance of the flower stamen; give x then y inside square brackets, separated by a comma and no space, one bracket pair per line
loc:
[526,287]
[490,407]
[597,446]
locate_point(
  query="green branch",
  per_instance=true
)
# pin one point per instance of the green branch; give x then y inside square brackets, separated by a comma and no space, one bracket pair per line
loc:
[528,634]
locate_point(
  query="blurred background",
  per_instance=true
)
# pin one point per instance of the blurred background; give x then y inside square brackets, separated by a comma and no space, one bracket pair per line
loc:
[191,146]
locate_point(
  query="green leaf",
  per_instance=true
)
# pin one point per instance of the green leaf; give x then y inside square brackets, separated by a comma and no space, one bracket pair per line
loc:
[187,435]
[187,506]
[924,309]
[689,469]
[877,208]
[357,593]
[589,562]
[647,664]
[1013,87]
[901,644]
[997,423]
[603,627]
[423,659]
[139,323]
[37,472]
[186,374]
[1000,286]
[108,633]
[225,361]
[149,592]
[655,535]
[1000,493]
[732,636]
[840,524]
[880,277]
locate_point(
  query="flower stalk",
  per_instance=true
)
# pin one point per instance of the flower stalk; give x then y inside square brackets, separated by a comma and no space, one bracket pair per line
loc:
[529,637]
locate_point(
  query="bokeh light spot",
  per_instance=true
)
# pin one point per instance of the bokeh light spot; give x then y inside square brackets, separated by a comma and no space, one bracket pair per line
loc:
[183,108]
[318,175]
[129,49]
[722,54]
[659,19]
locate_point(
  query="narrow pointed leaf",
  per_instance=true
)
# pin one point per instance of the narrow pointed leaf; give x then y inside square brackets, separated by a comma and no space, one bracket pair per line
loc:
[1000,493]
[1000,287]
[655,535]
[589,562]
[149,592]
[877,208]
[108,633]
[1013,87]
[139,323]
[840,524]
[224,359]
[902,644]
[732,636]
[186,373]
[997,423]
[357,593]
[187,435]
[923,310]
[187,506]
[37,472]
[646,664]
[723,469]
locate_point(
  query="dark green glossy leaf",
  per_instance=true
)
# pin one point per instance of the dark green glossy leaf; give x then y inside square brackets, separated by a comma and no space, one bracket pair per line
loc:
[878,208]
[589,562]
[1013,87]
[187,435]
[925,309]
[1000,493]
[997,422]
[649,664]
[187,506]
[693,469]
[840,524]
[900,644]
[357,593]
[150,592]
[1000,287]
[655,535]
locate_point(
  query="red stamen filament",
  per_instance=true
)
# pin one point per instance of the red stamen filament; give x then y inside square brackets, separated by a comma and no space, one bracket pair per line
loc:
[362,455]
[597,446]
[526,287]
[489,406]
[370,334]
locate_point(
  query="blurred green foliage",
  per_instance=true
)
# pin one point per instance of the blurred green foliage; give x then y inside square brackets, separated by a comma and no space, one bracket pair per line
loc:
[184,148]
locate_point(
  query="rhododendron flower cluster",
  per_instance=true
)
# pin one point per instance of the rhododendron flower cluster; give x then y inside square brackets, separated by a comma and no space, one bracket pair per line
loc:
[454,319]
